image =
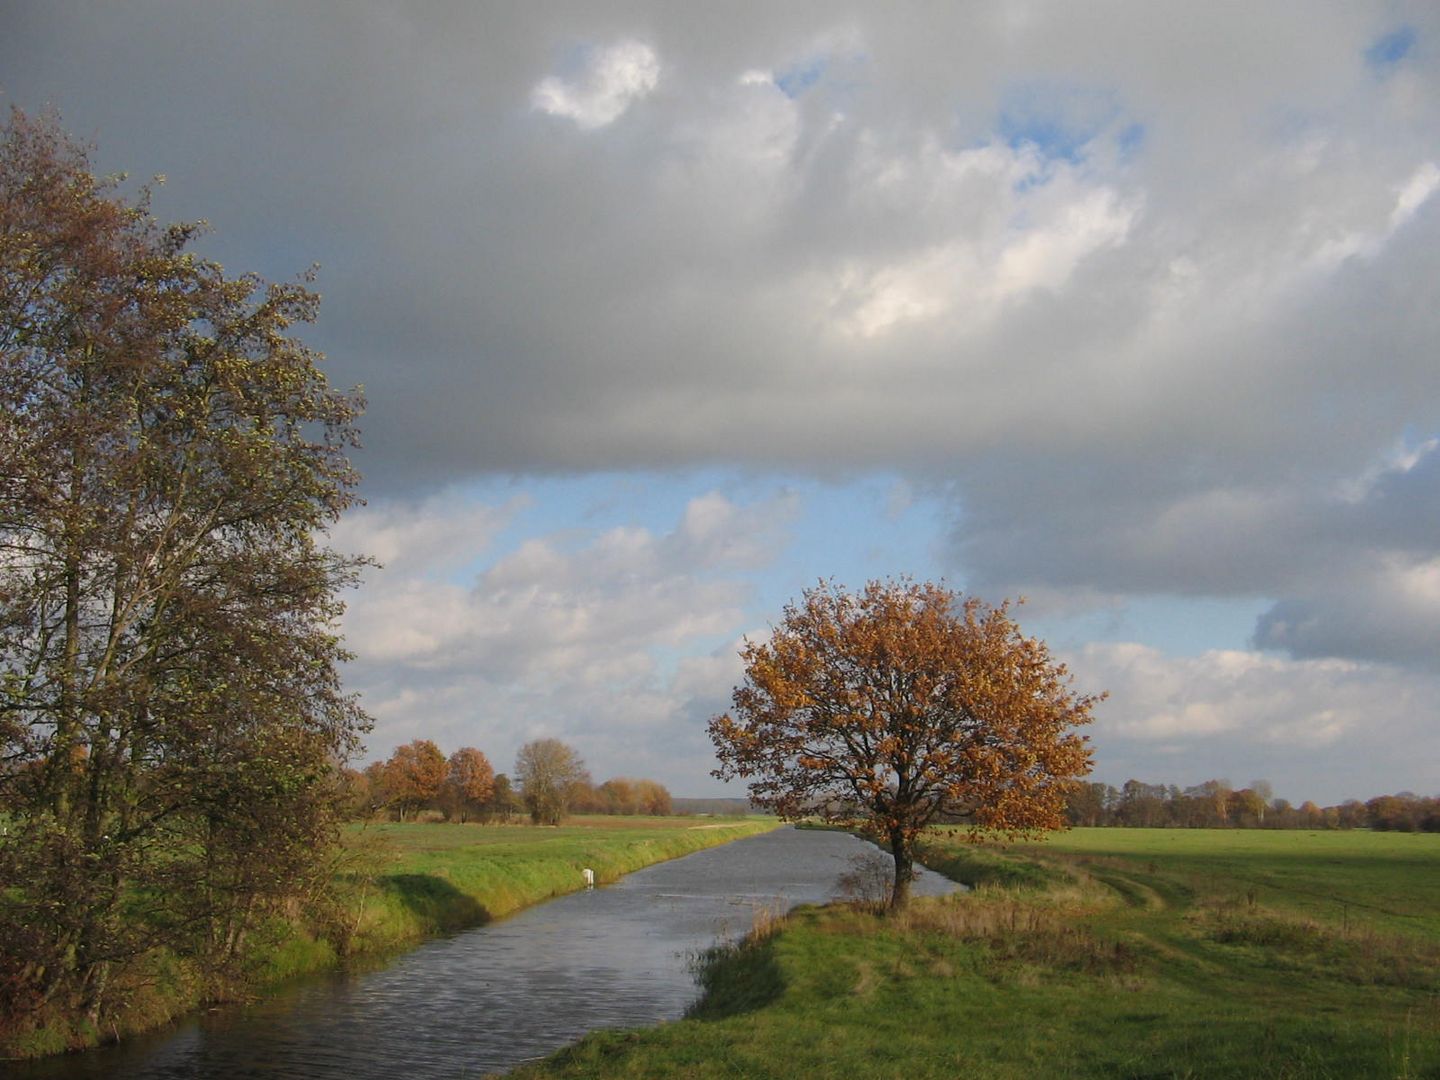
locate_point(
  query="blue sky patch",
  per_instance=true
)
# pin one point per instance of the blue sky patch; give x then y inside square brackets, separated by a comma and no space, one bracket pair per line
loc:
[1061,121]
[1048,134]
[796,80]
[1389,50]
[1129,141]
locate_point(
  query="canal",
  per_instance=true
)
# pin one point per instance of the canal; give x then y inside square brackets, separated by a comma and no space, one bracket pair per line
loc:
[508,992]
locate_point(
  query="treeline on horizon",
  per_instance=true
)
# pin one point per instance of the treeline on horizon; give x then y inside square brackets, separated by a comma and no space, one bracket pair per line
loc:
[1215,804]
[419,781]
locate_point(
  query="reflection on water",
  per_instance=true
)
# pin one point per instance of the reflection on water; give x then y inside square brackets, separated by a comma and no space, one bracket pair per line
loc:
[496,996]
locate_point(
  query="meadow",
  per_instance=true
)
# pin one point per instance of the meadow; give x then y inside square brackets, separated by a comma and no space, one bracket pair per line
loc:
[1099,953]
[401,883]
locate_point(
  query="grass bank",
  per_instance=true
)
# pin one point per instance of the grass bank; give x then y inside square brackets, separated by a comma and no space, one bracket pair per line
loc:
[1102,953]
[417,881]
[397,885]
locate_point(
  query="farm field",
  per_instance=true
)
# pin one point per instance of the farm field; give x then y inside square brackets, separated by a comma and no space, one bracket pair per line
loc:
[1100,953]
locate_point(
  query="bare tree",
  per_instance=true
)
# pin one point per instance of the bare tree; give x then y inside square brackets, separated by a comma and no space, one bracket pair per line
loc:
[549,771]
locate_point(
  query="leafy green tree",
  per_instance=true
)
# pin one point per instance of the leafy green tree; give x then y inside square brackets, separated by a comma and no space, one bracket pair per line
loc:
[171,713]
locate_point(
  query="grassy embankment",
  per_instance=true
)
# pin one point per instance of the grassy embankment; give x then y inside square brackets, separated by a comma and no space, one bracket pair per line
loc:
[1102,953]
[397,885]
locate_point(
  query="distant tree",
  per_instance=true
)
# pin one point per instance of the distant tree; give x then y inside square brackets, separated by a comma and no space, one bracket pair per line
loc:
[1142,805]
[585,798]
[468,785]
[354,793]
[413,776]
[620,797]
[1209,803]
[549,772]
[624,795]
[377,789]
[170,707]
[504,802]
[1282,815]
[1348,815]
[1393,813]
[652,798]
[1088,804]
[1245,807]
[887,708]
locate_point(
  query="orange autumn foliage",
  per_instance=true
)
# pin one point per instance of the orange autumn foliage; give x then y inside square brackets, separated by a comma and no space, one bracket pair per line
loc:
[901,705]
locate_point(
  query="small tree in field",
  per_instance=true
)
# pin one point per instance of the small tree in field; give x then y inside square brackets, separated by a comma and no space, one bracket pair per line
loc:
[413,776]
[549,772]
[468,785]
[892,707]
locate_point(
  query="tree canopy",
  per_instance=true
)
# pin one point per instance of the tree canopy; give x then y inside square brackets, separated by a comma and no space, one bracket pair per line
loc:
[899,705]
[170,706]
[549,771]
[469,783]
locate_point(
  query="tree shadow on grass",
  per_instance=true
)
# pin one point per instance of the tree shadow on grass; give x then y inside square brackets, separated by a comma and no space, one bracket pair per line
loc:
[437,902]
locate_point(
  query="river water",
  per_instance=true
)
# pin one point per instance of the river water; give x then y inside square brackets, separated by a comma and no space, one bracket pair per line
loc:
[499,995]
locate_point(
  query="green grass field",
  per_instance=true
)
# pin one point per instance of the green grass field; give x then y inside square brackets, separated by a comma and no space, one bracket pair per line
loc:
[1101,953]
[412,881]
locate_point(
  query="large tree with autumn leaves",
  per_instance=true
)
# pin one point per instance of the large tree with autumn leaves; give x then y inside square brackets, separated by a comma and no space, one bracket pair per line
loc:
[901,704]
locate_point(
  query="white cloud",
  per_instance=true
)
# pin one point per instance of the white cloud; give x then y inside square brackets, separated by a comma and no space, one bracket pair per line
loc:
[578,635]
[439,532]
[1247,696]
[1415,194]
[612,79]
[1322,729]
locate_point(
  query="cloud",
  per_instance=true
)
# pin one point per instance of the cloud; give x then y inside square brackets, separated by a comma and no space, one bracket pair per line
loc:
[1349,563]
[1147,294]
[434,535]
[945,246]
[1321,729]
[621,639]
[1389,611]
[611,80]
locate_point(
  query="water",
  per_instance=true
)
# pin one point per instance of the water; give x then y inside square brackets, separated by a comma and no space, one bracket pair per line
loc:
[506,993]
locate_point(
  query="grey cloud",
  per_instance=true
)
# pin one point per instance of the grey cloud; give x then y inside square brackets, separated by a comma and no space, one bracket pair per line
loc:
[519,295]
[1142,368]
[1354,564]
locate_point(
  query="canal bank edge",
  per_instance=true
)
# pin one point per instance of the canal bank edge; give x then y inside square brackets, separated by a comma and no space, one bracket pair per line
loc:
[396,886]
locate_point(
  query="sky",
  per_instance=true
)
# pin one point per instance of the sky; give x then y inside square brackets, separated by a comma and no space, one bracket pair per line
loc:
[665,312]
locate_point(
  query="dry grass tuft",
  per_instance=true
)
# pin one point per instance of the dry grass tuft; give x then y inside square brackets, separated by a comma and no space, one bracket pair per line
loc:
[1016,932]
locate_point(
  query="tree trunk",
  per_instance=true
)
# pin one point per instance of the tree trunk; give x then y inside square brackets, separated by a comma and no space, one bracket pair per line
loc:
[904,869]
